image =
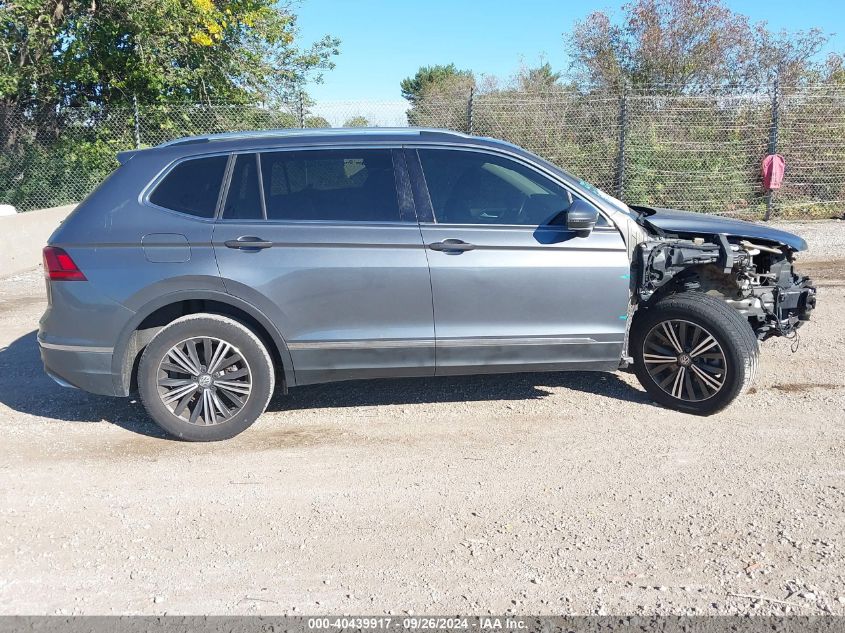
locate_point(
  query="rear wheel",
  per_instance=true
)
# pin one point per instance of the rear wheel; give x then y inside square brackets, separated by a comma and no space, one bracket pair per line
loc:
[693,353]
[205,377]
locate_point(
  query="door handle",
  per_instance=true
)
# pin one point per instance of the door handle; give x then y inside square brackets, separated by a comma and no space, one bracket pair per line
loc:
[451,246]
[248,243]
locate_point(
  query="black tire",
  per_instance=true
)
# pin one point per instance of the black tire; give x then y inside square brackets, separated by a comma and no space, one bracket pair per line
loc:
[734,361]
[231,412]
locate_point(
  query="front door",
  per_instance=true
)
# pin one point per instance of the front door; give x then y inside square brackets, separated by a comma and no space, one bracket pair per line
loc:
[512,288]
[320,240]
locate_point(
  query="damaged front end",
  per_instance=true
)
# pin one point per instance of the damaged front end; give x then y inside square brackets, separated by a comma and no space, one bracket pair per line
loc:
[758,279]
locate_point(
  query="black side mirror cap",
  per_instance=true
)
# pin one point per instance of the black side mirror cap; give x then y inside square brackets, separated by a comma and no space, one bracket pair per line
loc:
[581,217]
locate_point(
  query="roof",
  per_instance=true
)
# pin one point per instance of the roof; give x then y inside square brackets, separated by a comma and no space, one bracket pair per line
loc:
[269,140]
[260,140]
[358,134]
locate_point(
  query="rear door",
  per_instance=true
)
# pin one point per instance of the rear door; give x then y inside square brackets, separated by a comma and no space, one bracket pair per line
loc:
[513,289]
[326,242]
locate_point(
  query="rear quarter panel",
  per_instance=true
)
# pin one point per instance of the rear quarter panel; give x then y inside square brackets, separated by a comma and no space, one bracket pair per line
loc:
[104,236]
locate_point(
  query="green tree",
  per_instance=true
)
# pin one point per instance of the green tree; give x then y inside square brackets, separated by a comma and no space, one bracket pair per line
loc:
[316,121]
[73,52]
[433,78]
[539,79]
[438,96]
[357,121]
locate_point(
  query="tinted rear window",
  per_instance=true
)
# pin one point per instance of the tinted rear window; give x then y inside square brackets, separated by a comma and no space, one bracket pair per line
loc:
[192,186]
[355,185]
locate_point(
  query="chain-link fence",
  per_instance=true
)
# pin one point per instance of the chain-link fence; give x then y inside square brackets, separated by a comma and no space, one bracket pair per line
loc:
[698,151]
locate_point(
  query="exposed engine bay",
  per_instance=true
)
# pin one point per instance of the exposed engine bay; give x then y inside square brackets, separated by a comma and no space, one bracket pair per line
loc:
[755,277]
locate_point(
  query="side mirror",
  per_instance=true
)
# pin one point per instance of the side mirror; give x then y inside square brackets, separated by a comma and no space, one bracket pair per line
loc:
[581,217]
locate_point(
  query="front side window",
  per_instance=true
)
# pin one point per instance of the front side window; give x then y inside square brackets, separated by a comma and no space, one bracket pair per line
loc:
[354,185]
[478,188]
[192,186]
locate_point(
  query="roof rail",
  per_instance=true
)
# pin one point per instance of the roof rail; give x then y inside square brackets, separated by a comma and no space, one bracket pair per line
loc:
[295,132]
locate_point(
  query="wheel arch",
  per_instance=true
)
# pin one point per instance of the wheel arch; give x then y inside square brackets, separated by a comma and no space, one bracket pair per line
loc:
[706,279]
[154,315]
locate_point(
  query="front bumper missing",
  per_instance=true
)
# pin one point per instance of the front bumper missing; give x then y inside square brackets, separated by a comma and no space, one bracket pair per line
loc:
[787,308]
[795,305]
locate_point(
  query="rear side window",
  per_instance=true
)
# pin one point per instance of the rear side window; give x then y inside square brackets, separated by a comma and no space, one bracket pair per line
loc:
[192,186]
[355,185]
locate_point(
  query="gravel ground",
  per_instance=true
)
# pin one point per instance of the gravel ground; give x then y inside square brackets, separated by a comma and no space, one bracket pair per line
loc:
[543,493]
[826,239]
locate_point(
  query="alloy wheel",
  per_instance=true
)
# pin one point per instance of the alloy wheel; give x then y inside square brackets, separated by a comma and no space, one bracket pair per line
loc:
[204,380]
[685,360]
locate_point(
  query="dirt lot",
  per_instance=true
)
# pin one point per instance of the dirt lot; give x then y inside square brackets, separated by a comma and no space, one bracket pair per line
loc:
[547,493]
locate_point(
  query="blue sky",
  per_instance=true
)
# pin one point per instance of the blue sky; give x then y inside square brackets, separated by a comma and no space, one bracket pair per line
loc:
[383,41]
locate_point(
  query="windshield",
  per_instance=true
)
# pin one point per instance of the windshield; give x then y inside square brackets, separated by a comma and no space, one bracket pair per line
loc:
[616,203]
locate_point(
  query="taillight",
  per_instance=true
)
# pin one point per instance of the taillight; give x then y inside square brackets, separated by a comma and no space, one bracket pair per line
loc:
[58,265]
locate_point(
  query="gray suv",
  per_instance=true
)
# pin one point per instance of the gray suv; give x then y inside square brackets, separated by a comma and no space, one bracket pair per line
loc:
[206,271]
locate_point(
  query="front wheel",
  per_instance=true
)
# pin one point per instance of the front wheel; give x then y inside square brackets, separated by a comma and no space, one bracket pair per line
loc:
[205,377]
[694,353]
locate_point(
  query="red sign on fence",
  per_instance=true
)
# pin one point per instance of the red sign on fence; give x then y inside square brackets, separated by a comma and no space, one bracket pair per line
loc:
[773,168]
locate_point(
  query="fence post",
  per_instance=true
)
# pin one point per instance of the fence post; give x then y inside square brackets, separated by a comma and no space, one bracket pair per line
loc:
[301,109]
[137,118]
[773,138]
[470,110]
[619,179]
